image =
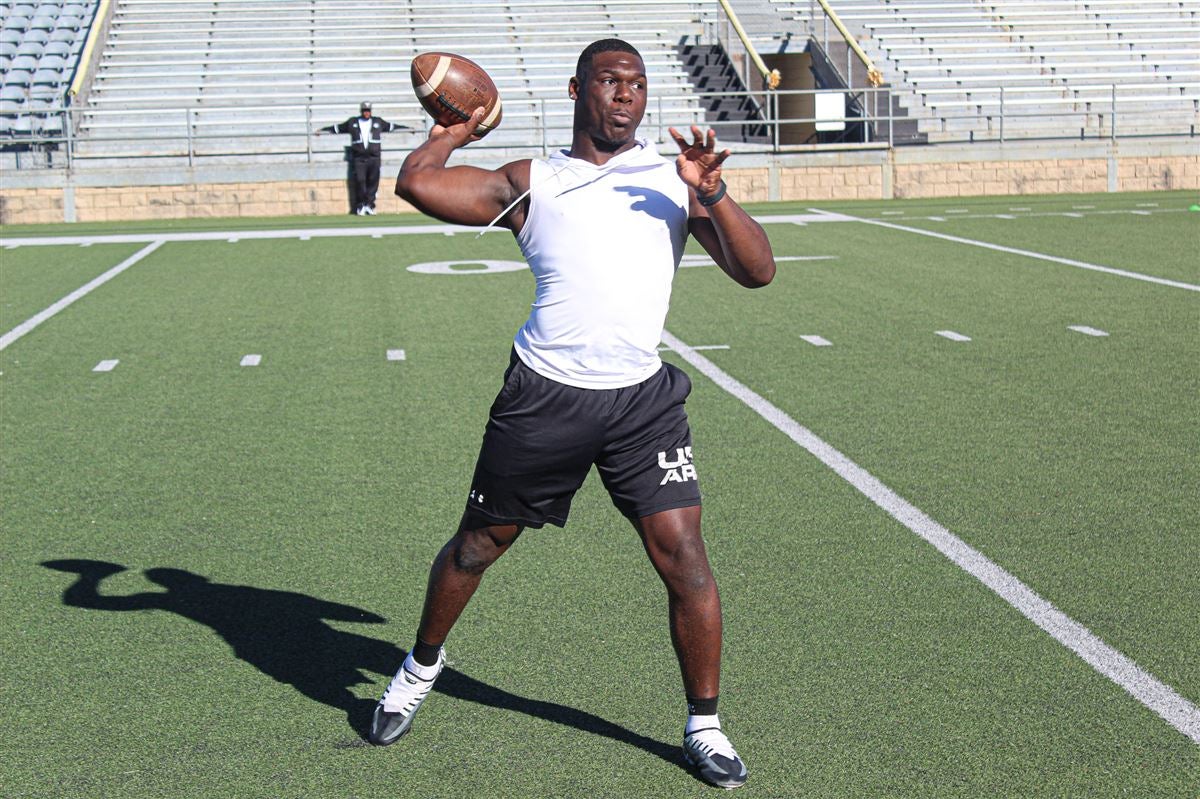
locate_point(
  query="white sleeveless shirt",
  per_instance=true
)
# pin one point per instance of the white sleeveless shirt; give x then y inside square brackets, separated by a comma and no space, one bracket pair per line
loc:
[603,243]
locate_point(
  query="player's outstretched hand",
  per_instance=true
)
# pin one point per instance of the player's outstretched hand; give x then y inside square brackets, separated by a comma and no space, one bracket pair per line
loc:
[461,134]
[699,164]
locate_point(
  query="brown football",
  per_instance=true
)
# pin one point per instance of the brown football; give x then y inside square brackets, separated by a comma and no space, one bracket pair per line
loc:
[450,87]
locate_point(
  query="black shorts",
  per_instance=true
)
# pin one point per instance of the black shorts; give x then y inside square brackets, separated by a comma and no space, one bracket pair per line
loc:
[542,438]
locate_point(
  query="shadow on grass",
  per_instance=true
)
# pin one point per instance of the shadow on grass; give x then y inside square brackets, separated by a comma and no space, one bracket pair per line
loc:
[285,636]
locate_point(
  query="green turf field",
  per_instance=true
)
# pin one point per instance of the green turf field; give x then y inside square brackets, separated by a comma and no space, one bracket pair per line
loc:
[211,570]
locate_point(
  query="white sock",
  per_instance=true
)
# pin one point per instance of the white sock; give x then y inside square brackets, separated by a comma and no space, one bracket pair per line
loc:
[701,723]
[424,672]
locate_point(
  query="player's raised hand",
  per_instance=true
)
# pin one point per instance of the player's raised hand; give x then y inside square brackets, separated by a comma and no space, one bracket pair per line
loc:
[698,163]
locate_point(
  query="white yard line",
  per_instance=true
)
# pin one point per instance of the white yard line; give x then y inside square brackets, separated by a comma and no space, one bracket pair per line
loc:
[690,261]
[700,347]
[307,234]
[82,291]
[234,237]
[1143,686]
[1027,253]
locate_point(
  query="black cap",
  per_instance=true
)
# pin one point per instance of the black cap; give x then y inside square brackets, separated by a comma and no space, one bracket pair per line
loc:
[365,106]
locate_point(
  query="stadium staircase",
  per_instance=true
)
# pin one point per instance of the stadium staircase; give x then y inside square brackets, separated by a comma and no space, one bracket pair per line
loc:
[733,114]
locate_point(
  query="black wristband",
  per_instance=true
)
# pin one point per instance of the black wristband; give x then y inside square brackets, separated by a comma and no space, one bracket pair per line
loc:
[714,198]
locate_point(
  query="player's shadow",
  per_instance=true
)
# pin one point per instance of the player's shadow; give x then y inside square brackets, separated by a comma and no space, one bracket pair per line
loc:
[285,636]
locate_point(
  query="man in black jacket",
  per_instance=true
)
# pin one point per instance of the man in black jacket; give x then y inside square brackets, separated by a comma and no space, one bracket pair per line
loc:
[365,140]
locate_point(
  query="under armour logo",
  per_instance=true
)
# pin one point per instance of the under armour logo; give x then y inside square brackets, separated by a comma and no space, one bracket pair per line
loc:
[476,496]
[679,470]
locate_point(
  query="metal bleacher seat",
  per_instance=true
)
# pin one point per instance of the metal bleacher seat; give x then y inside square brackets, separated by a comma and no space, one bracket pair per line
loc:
[47,77]
[16,22]
[53,62]
[37,35]
[13,93]
[18,77]
[61,49]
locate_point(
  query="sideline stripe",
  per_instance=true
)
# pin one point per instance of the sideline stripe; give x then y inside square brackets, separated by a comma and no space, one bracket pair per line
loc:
[1027,253]
[1143,686]
[230,236]
[42,316]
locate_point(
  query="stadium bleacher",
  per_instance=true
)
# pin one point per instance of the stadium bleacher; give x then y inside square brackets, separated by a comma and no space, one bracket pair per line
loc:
[39,48]
[173,70]
[227,78]
[1053,68]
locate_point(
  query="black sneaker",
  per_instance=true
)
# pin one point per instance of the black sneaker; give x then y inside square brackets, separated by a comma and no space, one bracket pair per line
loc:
[713,756]
[405,693]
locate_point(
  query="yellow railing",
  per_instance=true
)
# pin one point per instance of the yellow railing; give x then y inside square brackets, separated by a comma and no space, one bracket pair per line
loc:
[85,58]
[873,74]
[771,76]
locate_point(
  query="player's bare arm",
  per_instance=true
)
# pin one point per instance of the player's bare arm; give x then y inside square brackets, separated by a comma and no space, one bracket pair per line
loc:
[736,242]
[461,195]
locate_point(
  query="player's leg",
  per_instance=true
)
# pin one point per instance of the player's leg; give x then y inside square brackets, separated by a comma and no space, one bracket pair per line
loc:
[535,454]
[648,469]
[456,573]
[672,540]
[453,579]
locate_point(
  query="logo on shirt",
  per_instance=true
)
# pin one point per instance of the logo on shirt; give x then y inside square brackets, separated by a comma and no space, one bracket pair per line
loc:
[679,470]
[476,496]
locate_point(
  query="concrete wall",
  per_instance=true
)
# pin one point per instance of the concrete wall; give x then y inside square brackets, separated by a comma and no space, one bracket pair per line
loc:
[52,196]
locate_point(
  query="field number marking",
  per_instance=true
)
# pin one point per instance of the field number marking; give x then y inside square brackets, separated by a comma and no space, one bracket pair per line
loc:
[395,355]
[106,366]
[1140,684]
[251,360]
[467,267]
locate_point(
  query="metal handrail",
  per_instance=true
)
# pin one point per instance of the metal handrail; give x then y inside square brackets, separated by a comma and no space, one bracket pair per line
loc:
[86,61]
[546,124]
[873,73]
[770,76]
